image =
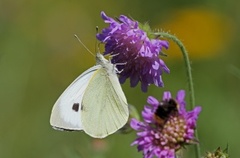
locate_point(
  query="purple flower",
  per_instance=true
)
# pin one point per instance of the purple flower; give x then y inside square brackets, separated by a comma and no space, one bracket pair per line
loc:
[167,126]
[135,55]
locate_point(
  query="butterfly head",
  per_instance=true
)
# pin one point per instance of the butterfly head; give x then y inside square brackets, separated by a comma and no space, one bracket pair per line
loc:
[100,59]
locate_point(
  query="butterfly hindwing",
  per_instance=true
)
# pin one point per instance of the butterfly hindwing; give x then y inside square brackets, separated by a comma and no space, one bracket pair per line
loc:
[104,106]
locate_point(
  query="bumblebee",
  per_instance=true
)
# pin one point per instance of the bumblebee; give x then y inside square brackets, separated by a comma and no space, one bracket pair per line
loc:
[165,109]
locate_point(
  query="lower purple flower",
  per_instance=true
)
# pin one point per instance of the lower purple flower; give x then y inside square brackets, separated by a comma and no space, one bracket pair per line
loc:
[134,53]
[167,126]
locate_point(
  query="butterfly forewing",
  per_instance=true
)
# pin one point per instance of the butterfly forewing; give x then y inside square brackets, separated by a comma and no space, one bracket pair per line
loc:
[66,112]
[104,105]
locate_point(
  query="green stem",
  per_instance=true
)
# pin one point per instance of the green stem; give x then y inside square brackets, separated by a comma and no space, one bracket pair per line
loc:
[189,77]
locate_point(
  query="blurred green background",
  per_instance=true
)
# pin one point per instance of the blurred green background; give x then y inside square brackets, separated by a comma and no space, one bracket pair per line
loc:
[39,58]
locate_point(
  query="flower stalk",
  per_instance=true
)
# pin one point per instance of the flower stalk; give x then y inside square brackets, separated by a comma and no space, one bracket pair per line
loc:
[189,77]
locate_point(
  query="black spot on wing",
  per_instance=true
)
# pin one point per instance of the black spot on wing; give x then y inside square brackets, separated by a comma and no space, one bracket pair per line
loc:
[75,107]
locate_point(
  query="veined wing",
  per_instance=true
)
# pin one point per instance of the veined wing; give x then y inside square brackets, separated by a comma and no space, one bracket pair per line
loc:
[104,105]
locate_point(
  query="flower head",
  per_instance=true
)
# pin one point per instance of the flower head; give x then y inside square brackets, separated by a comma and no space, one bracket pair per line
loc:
[167,126]
[134,53]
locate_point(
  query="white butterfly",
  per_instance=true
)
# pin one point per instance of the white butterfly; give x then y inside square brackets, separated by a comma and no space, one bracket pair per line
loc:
[94,102]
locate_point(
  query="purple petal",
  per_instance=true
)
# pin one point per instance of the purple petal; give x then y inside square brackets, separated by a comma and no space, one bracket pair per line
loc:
[106,18]
[164,67]
[166,95]
[137,125]
[152,101]
[180,96]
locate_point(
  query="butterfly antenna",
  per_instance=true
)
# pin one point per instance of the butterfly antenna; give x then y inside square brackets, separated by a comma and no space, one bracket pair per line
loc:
[83,44]
[97,44]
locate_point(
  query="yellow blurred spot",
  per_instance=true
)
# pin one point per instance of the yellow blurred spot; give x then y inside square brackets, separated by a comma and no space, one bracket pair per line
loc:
[204,33]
